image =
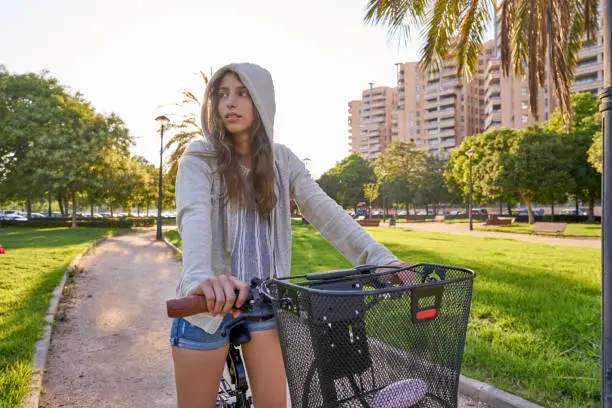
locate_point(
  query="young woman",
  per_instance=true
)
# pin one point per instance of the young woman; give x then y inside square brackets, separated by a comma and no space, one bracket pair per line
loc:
[233,193]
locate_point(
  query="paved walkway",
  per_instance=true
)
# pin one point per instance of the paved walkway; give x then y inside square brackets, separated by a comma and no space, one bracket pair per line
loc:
[463,229]
[110,346]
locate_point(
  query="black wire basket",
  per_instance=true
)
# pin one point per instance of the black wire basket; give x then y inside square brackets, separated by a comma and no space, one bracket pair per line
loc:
[356,338]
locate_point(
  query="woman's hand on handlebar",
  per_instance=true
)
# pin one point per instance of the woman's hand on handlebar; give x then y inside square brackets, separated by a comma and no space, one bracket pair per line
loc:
[220,294]
[401,278]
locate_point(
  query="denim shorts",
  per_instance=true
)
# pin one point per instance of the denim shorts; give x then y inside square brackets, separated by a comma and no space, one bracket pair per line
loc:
[186,335]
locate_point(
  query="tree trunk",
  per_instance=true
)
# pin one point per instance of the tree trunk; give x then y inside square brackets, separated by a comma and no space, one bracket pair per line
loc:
[138,209]
[370,209]
[501,212]
[29,208]
[111,210]
[61,205]
[91,204]
[527,201]
[591,206]
[147,209]
[509,209]
[50,199]
[74,210]
[552,211]
[65,199]
[577,207]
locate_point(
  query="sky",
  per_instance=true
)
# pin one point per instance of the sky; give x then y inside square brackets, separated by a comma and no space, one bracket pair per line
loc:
[135,57]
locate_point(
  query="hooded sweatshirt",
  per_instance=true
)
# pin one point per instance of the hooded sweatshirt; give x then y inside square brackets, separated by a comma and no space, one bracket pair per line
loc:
[209,226]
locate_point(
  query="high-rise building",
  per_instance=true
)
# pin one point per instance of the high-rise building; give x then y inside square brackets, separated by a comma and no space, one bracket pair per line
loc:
[370,121]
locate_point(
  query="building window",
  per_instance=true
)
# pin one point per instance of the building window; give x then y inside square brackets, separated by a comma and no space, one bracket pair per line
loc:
[524,91]
[412,114]
[419,130]
[524,104]
[418,78]
[418,114]
[412,131]
[411,123]
[418,97]
[524,118]
[418,122]
[418,87]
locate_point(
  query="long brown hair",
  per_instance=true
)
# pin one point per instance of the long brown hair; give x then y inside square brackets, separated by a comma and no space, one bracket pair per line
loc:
[261,175]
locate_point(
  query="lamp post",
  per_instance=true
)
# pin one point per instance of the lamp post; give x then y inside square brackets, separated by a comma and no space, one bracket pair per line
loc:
[606,211]
[163,121]
[469,154]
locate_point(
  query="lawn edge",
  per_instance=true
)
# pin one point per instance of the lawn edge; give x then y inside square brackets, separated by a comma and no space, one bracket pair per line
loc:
[495,397]
[474,389]
[39,365]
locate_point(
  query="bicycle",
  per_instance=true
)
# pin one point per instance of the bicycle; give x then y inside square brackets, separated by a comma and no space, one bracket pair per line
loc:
[357,337]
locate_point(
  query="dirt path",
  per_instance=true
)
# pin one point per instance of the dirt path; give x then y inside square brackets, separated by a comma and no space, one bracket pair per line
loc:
[112,349]
[463,229]
[110,343]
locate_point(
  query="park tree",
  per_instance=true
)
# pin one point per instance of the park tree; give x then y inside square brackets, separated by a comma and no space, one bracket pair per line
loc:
[401,169]
[188,127]
[329,183]
[371,192]
[352,174]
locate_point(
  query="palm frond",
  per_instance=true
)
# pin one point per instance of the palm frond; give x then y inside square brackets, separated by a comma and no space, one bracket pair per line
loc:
[440,33]
[508,19]
[397,15]
[469,43]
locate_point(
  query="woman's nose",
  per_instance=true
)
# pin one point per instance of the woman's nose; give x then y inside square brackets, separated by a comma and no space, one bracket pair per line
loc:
[230,101]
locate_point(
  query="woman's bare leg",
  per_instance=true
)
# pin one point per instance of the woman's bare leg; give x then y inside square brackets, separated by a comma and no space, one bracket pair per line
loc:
[264,364]
[198,374]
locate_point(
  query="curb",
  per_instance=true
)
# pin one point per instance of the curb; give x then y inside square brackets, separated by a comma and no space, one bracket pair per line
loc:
[495,397]
[42,346]
[474,389]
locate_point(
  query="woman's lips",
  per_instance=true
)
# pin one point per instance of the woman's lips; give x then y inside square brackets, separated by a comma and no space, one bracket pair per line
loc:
[232,118]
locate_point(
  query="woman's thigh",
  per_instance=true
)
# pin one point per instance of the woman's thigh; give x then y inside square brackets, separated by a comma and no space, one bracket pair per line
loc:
[197,374]
[264,363]
[199,358]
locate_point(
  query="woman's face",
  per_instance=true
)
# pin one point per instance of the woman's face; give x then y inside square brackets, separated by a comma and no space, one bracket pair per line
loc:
[235,105]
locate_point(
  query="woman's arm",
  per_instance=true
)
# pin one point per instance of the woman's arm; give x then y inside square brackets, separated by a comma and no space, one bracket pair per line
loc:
[193,217]
[339,228]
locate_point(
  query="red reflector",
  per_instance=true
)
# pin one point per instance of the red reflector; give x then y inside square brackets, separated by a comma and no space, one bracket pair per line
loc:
[426,314]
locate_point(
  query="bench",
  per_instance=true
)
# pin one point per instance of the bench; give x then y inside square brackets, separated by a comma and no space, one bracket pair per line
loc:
[554,227]
[500,221]
[369,223]
[439,218]
[415,218]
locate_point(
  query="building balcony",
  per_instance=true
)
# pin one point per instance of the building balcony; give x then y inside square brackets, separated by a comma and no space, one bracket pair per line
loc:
[448,121]
[492,118]
[589,68]
[430,115]
[447,133]
[592,51]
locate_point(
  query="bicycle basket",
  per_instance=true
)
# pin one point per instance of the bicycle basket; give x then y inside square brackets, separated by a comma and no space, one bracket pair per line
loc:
[346,339]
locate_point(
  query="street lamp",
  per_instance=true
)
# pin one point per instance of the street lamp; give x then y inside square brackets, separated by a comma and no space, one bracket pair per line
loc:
[469,154]
[163,121]
[606,211]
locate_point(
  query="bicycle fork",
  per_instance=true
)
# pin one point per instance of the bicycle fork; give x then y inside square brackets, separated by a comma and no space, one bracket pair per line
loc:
[238,375]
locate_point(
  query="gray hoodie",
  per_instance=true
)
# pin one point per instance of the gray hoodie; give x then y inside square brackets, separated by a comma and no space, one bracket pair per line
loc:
[208,226]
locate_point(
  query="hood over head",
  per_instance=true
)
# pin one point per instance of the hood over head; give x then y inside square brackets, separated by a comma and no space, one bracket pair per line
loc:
[261,88]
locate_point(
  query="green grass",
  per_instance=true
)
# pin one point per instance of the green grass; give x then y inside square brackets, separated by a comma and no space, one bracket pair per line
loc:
[174,238]
[30,270]
[534,326]
[571,230]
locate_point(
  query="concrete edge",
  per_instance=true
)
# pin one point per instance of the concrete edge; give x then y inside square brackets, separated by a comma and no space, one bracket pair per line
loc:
[472,388]
[39,363]
[173,247]
[493,396]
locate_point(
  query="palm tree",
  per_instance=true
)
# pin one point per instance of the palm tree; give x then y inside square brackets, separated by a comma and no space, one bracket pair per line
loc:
[530,31]
[188,128]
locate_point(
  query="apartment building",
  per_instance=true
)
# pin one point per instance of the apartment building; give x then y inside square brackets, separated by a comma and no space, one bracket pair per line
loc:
[507,99]
[371,121]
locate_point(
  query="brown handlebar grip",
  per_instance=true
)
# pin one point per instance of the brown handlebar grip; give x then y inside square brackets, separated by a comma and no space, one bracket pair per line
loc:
[186,306]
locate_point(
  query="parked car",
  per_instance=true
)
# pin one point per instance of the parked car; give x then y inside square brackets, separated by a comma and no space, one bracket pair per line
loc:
[479,212]
[536,211]
[36,215]
[13,217]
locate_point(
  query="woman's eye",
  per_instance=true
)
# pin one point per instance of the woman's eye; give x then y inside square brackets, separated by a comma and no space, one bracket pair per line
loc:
[244,93]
